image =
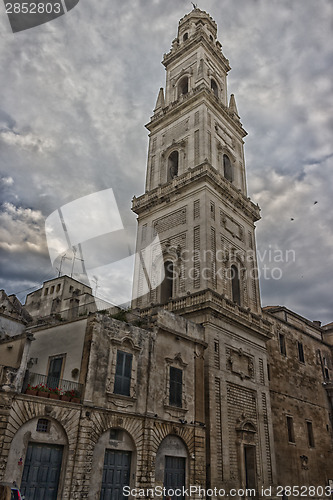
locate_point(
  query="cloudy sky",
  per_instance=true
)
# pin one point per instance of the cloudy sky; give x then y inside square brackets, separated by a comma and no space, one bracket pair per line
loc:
[77,91]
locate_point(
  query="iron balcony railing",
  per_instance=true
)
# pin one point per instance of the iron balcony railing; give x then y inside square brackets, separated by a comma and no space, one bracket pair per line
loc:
[64,386]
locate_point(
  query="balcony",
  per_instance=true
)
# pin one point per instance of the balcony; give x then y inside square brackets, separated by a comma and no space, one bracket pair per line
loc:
[45,386]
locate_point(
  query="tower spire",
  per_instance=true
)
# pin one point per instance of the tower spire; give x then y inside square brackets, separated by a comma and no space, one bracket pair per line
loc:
[160,101]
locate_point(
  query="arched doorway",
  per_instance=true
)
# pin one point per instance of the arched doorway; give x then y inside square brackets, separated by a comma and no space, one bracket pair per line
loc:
[37,459]
[113,465]
[171,467]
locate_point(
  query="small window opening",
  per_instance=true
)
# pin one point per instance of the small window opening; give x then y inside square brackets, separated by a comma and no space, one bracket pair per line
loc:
[227,168]
[216,346]
[282,342]
[310,434]
[213,86]
[268,371]
[183,86]
[173,163]
[52,289]
[235,285]
[46,291]
[290,427]
[115,435]
[58,287]
[167,283]
[300,352]
[211,38]
[185,37]
[43,425]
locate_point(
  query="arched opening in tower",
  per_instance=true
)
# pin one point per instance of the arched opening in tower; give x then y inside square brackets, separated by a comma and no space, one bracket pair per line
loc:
[183,86]
[227,168]
[173,163]
[167,283]
[213,86]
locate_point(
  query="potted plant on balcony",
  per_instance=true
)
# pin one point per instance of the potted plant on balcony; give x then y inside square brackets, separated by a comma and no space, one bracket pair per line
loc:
[43,391]
[31,390]
[65,396]
[55,393]
[74,395]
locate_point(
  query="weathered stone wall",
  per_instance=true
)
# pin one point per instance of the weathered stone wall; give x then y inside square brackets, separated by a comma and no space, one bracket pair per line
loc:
[297,390]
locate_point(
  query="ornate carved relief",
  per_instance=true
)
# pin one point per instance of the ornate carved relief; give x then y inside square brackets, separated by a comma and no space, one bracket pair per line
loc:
[170,221]
[240,363]
[232,226]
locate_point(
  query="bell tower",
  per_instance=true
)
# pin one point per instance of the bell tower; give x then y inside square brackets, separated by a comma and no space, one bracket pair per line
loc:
[196,250]
[195,198]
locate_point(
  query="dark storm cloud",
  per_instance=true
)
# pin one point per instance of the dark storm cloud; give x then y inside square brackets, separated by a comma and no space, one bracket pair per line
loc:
[76,95]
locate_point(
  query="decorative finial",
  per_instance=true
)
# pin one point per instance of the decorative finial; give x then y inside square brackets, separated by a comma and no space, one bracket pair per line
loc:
[195,6]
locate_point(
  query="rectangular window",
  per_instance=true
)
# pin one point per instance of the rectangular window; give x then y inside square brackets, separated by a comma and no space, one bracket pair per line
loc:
[122,382]
[282,341]
[310,434]
[55,371]
[176,387]
[300,352]
[290,427]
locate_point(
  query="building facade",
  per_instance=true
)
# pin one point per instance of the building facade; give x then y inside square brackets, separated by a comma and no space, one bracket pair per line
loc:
[197,385]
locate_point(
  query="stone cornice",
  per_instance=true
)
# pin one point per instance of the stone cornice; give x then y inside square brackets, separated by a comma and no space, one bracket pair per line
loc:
[170,112]
[201,173]
[199,37]
[220,307]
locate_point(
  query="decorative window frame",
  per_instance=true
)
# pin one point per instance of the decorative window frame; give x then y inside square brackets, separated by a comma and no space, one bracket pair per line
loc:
[222,150]
[176,362]
[179,146]
[127,345]
[239,261]
[183,73]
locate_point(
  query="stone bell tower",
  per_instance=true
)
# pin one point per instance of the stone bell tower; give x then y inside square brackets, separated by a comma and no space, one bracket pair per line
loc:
[195,198]
[196,250]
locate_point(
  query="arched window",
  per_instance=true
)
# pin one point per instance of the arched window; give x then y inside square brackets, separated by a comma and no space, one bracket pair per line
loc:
[213,86]
[183,86]
[235,285]
[173,162]
[227,168]
[185,37]
[167,283]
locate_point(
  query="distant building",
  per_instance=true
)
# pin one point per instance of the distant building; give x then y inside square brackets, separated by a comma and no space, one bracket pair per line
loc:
[197,385]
